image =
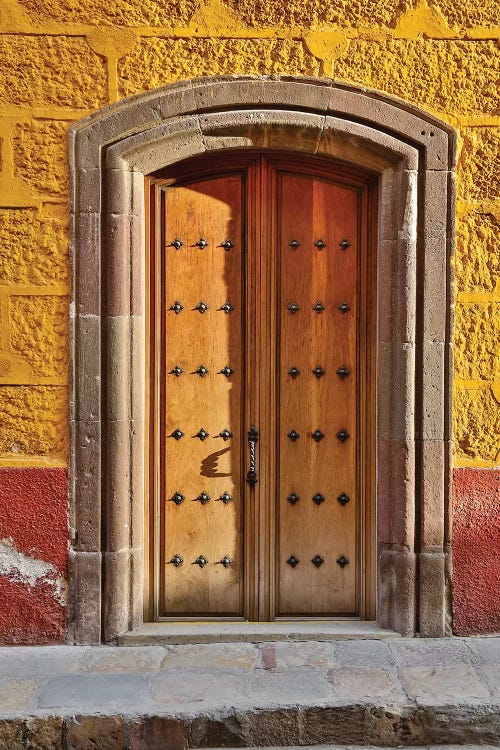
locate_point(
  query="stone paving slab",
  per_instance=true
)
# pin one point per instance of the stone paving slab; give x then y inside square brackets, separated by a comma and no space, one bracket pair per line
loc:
[395,692]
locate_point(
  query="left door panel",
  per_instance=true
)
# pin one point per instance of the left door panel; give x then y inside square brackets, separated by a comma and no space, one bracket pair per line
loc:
[202,398]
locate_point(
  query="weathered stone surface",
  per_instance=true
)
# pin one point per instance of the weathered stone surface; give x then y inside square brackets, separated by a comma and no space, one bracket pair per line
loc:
[93,691]
[40,155]
[282,656]
[17,695]
[335,725]
[34,420]
[212,656]
[431,652]
[118,13]
[362,683]
[39,332]
[168,689]
[157,734]
[475,413]
[477,261]
[44,733]
[477,333]
[11,735]
[314,12]
[361,653]
[33,247]
[131,659]
[270,727]
[94,733]
[429,685]
[428,77]
[478,168]
[60,70]
[156,62]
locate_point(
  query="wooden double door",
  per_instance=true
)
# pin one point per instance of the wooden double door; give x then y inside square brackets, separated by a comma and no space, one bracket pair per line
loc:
[261,428]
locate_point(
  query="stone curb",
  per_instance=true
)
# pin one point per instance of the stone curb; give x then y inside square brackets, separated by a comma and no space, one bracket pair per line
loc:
[367,724]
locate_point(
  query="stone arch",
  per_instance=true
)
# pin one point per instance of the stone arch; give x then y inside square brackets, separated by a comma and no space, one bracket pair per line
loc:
[110,153]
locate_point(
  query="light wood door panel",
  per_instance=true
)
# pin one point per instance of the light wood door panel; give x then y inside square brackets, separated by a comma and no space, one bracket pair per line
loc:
[262,204]
[313,210]
[207,211]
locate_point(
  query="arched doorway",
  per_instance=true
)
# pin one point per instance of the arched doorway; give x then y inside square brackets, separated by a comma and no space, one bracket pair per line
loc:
[262,397]
[112,153]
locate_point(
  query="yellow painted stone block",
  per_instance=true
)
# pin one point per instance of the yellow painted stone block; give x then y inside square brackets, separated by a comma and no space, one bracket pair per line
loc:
[33,421]
[319,13]
[156,62]
[476,417]
[39,333]
[467,14]
[477,337]
[41,155]
[478,169]
[116,12]
[455,77]
[477,259]
[33,248]
[55,70]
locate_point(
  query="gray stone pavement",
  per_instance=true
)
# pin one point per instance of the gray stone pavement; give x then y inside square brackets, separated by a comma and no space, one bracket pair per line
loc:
[394,692]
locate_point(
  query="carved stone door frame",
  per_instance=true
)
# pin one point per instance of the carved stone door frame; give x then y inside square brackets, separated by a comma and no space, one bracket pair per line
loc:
[111,152]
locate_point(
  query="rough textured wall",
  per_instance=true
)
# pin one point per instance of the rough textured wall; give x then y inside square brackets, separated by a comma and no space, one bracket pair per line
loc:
[62,59]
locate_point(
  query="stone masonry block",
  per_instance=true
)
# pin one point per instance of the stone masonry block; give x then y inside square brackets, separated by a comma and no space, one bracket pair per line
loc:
[477,262]
[34,421]
[118,13]
[478,168]
[475,424]
[39,333]
[157,733]
[477,333]
[155,62]
[428,77]
[85,599]
[433,593]
[40,156]
[94,733]
[44,733]
[87,473]
[57,70]
[33,247]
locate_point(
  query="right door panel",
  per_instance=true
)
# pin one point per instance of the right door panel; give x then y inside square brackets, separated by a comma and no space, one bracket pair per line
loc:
[317,237]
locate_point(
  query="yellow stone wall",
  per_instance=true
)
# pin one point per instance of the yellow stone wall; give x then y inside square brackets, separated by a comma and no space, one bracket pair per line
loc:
[62,59]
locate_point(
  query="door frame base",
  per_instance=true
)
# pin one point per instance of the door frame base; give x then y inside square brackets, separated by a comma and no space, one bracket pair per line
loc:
[110,154]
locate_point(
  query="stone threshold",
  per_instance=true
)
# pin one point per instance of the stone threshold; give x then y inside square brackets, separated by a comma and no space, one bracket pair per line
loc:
[159,633]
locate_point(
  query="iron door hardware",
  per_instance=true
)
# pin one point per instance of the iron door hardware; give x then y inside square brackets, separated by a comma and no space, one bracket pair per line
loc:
[177,434]
[227,371]
[225,497]
[201,561]
[294,244]
[177,307]
[177,243]
[176,560]
[293,435]
[202,434]
[202,243]
[342,561]
[343,307]
[320,244]
[317,435]
[318,498]
[343,372]
[227,245]
[343,498]
[293,307]
[177,498]
[202,371]
[226,561]
[293,561]
[253,436]
[202,307]
[294,372]
[203,498]
[343,435]
[226,434]
[318,307]
[227,307]
[344,244]
[177,371]
[317,561]
[293,498]
[318,371]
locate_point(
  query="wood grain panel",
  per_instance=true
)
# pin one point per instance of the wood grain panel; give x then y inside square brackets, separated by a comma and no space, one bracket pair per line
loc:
[208,210]
[309,210]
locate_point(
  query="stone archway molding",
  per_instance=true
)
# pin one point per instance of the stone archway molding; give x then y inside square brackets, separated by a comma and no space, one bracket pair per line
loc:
[110,153]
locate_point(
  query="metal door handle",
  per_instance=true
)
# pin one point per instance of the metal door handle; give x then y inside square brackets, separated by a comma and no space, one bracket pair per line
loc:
[253,436]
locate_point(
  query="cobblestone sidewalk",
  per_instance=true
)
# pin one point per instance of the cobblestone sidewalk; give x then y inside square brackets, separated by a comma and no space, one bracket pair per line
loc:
[392,692]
